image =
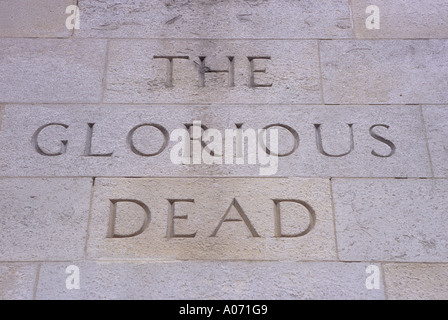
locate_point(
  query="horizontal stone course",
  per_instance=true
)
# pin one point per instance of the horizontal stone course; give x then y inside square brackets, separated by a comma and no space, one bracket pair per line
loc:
[388,141]
[391,220]
[233,19]
[209,280]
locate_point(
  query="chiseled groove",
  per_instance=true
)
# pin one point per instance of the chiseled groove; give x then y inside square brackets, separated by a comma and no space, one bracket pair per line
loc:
[425,132]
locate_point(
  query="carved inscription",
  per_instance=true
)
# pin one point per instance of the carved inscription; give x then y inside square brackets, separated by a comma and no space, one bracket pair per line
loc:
[64,144]
[204,69]
[243,217]
[211,218]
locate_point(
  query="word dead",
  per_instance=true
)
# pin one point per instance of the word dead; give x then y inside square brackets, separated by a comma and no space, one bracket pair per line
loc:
[235,206]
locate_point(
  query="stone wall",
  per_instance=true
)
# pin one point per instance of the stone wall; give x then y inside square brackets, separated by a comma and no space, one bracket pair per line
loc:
[352,205]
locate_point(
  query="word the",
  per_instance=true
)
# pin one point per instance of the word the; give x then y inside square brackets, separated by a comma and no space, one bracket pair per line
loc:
[203,69]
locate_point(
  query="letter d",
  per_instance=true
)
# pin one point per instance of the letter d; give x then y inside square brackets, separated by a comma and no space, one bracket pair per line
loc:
[113,215]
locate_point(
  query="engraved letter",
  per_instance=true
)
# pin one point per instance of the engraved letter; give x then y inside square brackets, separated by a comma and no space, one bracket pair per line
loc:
[294,134]
[203,69]
[166,137]
[383,140]
[320,148]
[246,220]
[113,216]
[34,141]
[88,148]
[172,215]
[195,130]
[278,224]
[254,84]
[373,21]
[170,68]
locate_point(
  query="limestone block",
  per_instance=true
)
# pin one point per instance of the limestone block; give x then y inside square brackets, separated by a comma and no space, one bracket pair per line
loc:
[209,280]
[17,281]
[51,70]
[234,19]
[385,71]
[391,219]
[43,218]
[211,219]
[34,18]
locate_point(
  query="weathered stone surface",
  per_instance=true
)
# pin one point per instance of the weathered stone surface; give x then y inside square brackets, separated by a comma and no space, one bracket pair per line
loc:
[412,281]
[402,19]
[298,229]
[391,220]
[137,73]
[209,280]
[437,130]
[34,18]
[51,70]
[17,281]
[43,219]
[234,19]
[385,71]
[2,109]
[405,156]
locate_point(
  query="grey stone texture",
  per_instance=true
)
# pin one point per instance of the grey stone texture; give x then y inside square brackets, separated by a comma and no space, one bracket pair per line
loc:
[416,281]
[234,19]
[209,280]
[136,72]
[391,219]
[17,281]
[43,218]
[402,19]
[401,153]
[437,130]
[34,18]
[385,71]
[212,219]
[51,70]
[86,177]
